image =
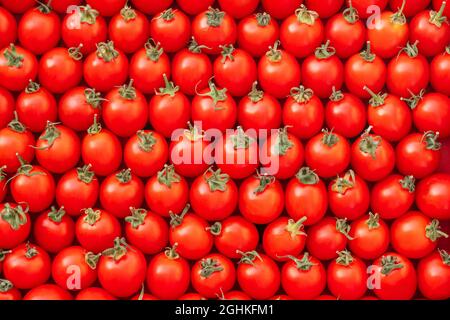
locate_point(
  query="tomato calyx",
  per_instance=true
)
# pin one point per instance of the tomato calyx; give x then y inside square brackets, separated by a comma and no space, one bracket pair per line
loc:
[153,50]
[15,217]
[438,18]
[283,144]
[374,221]
[433,231]
[124,176]
[241,140]
[264,181]
[193,133]
[88,14]
[411,50]
[430,139]
[444,256]
[344,258]
[214,17]
[209,266]
[84,174]
[341,185]
[16,125]
[167,15]
[227,52]
[343,227]
[177,219]
[325,51]
[351,14]
[127,91]
[75,52]
[303,264]
[171,252]
[3,254]
[24,169]
[93,98]
[137,217]
[369,143]
[295,228]
[248,257]
[367,54]
[329,138]
[215,228]
[32,87]
[301,94]
[30,251]
[146,140]
[377,100]
[306,16]
[106,51]
[95,128]
[216,180]
[50,135]
[255,95]
[415,98]
[307,176]
[167,176]
[194,47]
[447,50]
[336,95]
[389,264]
[128,13]
[56,215]
[169,89]
[215,94]
[5,285]
[399,17]
[2,173]
[91,259]
[13,58]
[408,183]
[263,19]
[118,251]
[92,216]
[141,293]
[274,54]
[44,8]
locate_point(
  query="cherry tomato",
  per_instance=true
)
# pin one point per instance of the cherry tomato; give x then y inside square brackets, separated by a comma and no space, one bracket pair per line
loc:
[94,293]
[15,225]
[326,8]
[238,9]
[365,8]
[17,67]
[411,8]
[439,72]
[6,107]
[8,28]
[256,33]
[172,29]
[61,6]
[280,9]
[433,276]
[108,7]
[48,292]
[151,7]
[8,291]
[433,196]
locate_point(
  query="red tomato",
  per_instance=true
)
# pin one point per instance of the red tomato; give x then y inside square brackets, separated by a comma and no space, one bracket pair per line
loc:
[280,9]
[365,8]
[17,67]
[256,33]
[71,261]
[326,8]
[439,72]
[168,275]
[328,154]
[238,9]
[128,29]
[94,293]
[3,189]
[53,230]
[8,28]
[192,296]
[18,6]
[146,231]
[393,196]
[347,277]
[8,291]
[258,275]
[27,266]
[411,7]
[418,154]
[166,191]
[213,275]
[303,113]
[433,276]
[437,5]
[97,229]
[214,28]
[395,277]
[283,238]
[235,295]
[83,25]
[106,68]
[61,6]
[306,196]
[107,7]
[303,278]
[327,237]
[151,57]
[235,234]
[278,72]
[433,196]
[15,226]
[172,29]
[151,7]
[6,107]
[370,237]
[47,292]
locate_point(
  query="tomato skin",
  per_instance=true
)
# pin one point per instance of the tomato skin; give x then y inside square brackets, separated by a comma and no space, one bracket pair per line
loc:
[216,283]
[432,113]
[6,107]
[15,77]
[151,7]
[61,6]
[8,28]
[53,236]
[222,31]
[254,204]
[362,6]
[65,260]
[27,266]
[108,7]
[398,284]
[12,294]
[48,292]
[236,234]
[325,9]
[238,9]
[94,293]
[411,7]
[346,113]
[324,240]
[439,73]
[13,142]
[433,196]
[256,33]
[172,29]
[18,6]
[370,237]
[96,230]
[393,196]
[13,234]
[261,279]
[191,297]
[280,9]
[433,276]
[415,157]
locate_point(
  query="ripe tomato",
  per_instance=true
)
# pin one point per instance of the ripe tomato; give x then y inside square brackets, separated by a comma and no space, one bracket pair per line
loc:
[3,189]
[214,28]
[192,234]
[151,7]
[27,266]
[121,269]
[278,72]
[48,292]
[370,237]
[433,196]
[106,68]
[347,277]
[18,6]
[108,7]
[7,106]
[39,29]
[303,278]
[53,230]
[348,196]
[151,57]
[328,154]
[238,9]
[365,8]
[393,196]
[439,72]
[169,109]
[94,293]
[146,231]
[258,275]
[326,8]
[396,277]
[192,297]
[61,6]
[8,28]
[172,29]
[17,67]
[327,237]
[364,70]
[280,9]
[101,149]
[235,295]
[168,275]
[58,148]
[284,238]
[128,29]
[166,191]
[418,154]
[8,291]
[255,195]
[213,275]
[389,116]
[235,234]
[411,7]
[83,25]
[306,196]
[15,226]
[433,275]
[303,113]
[97,229]
[75,258]
[256,33]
